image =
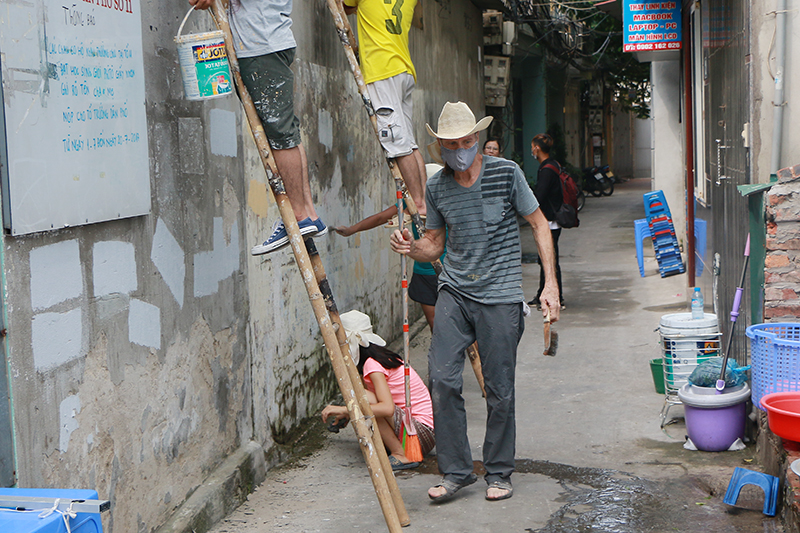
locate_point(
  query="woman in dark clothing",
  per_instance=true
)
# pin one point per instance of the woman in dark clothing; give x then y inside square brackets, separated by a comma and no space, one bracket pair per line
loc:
[550,197]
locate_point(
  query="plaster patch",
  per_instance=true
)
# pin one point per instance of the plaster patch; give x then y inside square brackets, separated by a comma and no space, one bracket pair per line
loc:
[55,274]
[212,267]
[191,143]
[70,408]
[144,324]
[222,134]
[325,126]
[56,338]
[168,257]
[114,269]
[257,198]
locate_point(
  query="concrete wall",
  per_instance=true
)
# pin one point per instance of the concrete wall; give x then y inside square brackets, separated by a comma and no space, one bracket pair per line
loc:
[622,137]
[534,108]
[763,70]
[143,351]
[643,149]
[668,175]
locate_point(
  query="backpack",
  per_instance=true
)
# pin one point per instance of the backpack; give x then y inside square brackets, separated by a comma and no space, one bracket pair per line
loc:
[567,213]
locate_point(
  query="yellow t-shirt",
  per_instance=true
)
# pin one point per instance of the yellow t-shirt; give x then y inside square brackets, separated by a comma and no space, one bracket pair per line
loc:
[383,27]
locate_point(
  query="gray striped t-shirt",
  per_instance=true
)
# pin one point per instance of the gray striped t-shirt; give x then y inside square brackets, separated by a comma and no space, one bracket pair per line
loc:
[483,261]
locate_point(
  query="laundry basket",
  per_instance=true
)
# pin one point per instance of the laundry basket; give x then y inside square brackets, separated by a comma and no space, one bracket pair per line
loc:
[775,359]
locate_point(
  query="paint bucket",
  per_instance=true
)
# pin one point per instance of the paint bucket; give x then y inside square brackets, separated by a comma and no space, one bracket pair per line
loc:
[714,421]
[204,63]
[687,342]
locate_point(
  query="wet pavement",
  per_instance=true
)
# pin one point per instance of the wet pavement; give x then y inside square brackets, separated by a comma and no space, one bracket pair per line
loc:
[591,455]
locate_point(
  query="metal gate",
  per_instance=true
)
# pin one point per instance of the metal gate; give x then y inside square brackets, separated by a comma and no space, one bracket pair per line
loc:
[726,81]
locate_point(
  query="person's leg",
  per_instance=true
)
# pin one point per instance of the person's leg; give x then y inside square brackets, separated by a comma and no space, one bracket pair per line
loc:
[430,312]
[452,333]
[386,426]
[270,82]
[290,165]
[498,329]
[556,233]
[392,101]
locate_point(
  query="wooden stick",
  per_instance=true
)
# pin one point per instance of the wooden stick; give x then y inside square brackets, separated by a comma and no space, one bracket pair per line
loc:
[346,37]
[355,378]
[362,425]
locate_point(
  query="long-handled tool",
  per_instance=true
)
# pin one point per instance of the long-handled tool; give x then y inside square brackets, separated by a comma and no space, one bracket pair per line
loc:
[737,300]
[410,439]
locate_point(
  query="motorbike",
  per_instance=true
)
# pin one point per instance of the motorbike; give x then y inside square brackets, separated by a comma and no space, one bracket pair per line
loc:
[598,181]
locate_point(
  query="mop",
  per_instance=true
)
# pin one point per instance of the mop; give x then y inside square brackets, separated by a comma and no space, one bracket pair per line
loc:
[737,300]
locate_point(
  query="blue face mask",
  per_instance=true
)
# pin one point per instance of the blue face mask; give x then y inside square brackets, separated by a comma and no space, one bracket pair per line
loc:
[459,159]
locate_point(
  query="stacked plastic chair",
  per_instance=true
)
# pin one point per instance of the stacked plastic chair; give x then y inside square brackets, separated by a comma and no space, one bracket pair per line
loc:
[662,231]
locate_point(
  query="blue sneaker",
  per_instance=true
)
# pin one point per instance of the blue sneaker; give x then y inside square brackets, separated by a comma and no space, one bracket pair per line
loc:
[280,238]
[322,229]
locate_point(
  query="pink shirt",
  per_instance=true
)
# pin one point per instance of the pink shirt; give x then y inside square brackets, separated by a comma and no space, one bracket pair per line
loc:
[421,407]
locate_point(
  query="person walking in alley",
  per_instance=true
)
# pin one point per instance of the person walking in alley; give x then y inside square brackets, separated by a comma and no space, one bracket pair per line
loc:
[265,46]
[480,294]
[550,196]
[383,28]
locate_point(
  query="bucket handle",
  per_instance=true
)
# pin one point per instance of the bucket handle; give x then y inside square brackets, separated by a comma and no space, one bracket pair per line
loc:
[180,29]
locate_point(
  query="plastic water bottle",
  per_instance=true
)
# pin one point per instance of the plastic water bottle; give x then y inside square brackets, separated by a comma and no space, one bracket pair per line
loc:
[697,305]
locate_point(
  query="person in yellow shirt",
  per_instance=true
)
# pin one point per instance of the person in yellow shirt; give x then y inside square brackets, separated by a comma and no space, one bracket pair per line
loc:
[390,77]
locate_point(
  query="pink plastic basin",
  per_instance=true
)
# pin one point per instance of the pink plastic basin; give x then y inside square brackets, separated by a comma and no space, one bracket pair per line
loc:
[783,414]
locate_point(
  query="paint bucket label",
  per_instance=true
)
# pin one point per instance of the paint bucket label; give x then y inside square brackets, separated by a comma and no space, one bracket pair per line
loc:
[204,64]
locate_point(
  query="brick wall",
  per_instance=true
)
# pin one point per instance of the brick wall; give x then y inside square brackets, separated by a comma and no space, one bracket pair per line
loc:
[782,264]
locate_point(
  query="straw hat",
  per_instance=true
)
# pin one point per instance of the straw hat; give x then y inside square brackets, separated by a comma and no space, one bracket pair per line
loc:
[358,330]
[455,121]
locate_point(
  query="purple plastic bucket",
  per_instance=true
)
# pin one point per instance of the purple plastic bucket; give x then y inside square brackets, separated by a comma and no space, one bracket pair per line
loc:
[714,421]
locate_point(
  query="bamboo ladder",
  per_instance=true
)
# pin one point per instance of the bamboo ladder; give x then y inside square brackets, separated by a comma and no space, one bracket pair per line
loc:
[325,310]
[350,45]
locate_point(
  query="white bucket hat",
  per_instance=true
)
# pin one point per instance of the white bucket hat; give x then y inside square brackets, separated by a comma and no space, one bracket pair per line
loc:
[432,168]
[455,121]
[358,330]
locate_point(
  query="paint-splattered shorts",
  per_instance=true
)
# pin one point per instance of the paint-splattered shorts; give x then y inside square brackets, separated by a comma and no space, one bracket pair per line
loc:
[427,437]
[391,99]
[270,81]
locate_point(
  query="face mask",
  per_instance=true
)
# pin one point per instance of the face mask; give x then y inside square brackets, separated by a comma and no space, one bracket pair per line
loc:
[461,158]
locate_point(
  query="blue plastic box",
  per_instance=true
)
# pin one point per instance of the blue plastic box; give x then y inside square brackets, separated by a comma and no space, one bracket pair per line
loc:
[29,522]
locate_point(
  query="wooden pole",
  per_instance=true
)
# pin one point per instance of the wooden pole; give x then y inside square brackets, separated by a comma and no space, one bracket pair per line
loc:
[362,425]
[355,378]
[345,33]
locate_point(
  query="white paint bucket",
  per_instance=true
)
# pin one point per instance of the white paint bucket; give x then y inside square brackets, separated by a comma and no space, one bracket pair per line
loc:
[686,343]
[204,63]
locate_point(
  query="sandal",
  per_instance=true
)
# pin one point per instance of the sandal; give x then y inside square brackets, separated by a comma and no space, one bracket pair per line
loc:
[451,487]
[397,464]
[502,485]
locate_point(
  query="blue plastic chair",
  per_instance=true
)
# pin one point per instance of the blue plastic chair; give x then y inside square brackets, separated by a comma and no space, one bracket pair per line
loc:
[742,477]
[700,245]
[642,232]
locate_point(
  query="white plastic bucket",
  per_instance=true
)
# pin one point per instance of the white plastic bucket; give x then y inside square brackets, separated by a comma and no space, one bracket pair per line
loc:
[687,342]
[204,63]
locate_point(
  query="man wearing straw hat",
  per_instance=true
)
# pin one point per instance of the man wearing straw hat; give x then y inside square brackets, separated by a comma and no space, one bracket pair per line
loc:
[265,47]
[480,294]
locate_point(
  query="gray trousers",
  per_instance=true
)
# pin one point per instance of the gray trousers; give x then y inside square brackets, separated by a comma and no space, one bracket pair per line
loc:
[498,328]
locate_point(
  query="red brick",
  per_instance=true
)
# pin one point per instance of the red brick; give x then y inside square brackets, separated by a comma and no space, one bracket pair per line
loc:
[775,199]
[785,173]
[782,311]
[772,228]
[776,260]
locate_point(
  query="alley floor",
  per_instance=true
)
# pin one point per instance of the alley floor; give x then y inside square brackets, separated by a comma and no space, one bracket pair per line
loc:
[591,454]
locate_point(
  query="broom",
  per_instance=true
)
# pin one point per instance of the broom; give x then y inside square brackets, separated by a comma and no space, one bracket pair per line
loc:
[410,439]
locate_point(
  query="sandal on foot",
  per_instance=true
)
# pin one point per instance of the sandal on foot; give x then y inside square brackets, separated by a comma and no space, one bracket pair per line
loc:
[397,464]
[502,485]
[451,487]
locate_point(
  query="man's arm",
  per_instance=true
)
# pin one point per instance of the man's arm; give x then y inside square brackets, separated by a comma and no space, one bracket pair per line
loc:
[544,243]
[429,248]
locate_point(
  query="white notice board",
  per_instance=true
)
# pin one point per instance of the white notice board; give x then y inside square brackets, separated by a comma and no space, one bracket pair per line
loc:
[74,113]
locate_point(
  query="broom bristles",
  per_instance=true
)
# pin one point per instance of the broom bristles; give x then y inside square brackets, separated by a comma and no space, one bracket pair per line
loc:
[411,444]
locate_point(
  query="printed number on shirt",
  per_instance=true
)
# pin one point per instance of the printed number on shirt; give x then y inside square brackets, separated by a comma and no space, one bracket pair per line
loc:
[392,26]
